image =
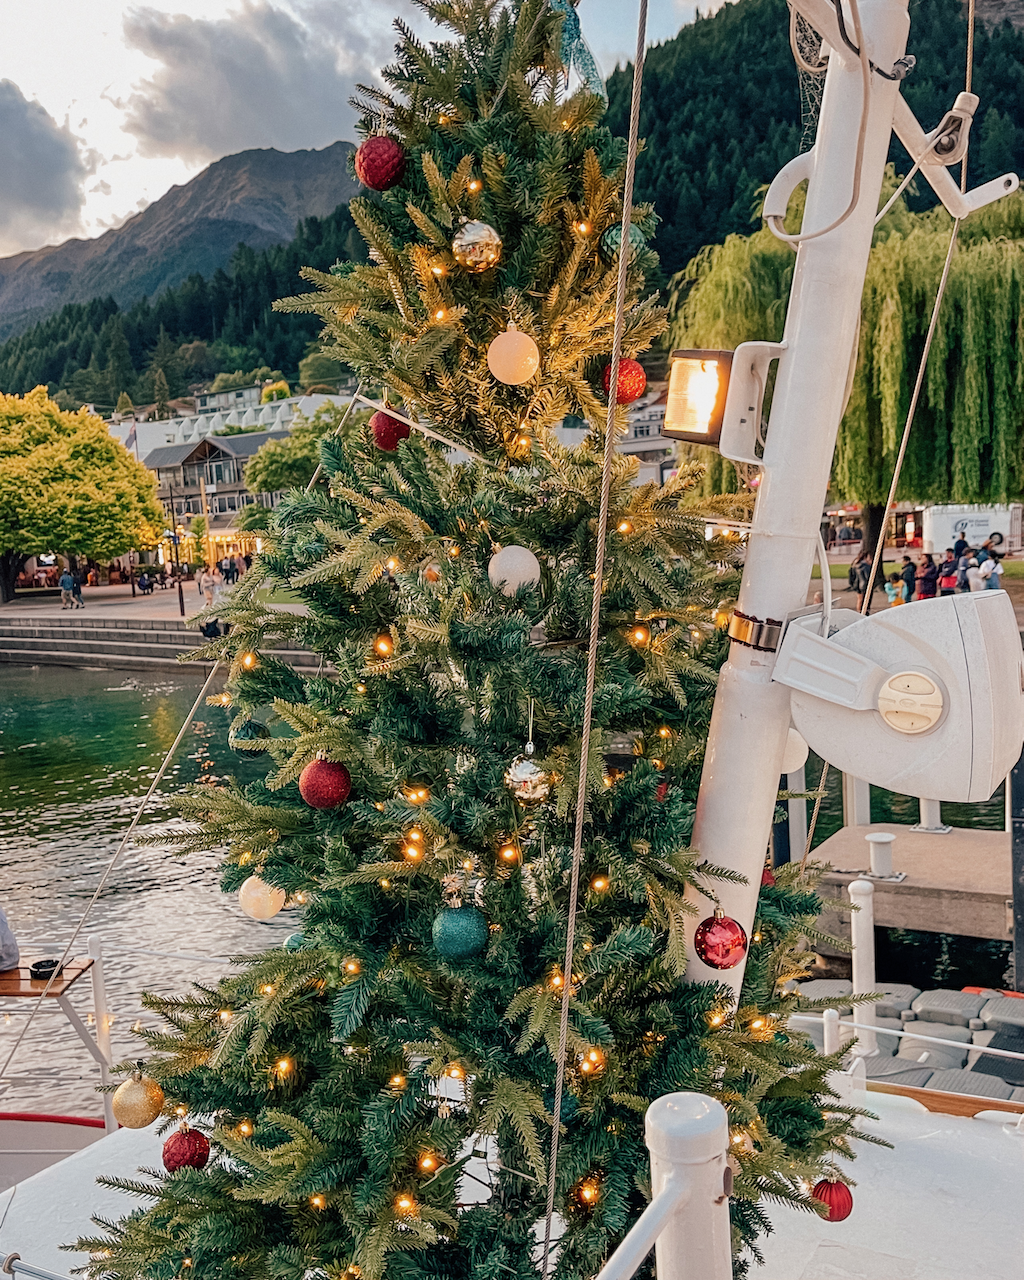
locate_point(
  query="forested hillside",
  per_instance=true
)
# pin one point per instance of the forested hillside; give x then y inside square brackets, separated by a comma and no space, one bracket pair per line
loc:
[94,351]
[721,112]
[721,115]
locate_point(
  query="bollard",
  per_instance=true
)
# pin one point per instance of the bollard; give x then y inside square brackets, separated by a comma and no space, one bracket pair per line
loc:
[687,1221]
[830,1024]
[862,931]
[99,998]
[931,818]
[880,845]
[181,599]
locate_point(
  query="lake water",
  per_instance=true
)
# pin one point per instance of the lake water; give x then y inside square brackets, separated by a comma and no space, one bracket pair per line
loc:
[78,748]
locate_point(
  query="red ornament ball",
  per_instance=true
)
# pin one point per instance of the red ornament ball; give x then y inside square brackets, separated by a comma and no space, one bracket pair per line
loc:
[380,163]
[325,784]
[632,381]
[387,431]
[838,1197]
[188,1148]
[720,942]
[767,877]
[662,790]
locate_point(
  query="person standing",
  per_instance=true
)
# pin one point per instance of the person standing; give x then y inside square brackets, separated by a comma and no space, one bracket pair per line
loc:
[926,577]
[67,585]
[865,587]
[960,546]
[991,572]
[962,564]
[909,576]
[975,582]
[209,581]
[894,590]
[947,574]
[76,590]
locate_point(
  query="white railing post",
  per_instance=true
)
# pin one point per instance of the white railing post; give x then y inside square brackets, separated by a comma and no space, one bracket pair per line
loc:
[862,933]
[687,1221]
[99,999]
[830,1032]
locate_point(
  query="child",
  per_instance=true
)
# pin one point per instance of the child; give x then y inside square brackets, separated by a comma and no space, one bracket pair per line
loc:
[894,589]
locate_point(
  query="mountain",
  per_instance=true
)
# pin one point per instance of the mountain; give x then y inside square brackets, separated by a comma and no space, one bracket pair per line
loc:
[254,197]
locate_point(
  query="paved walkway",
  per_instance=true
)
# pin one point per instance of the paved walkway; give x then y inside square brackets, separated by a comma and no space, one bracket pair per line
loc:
[109,602]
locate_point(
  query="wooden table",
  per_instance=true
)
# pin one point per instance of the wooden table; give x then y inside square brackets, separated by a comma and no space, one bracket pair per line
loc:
[19,984]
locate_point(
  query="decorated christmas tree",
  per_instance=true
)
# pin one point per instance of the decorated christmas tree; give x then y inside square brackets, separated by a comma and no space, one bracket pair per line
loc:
[377,1097]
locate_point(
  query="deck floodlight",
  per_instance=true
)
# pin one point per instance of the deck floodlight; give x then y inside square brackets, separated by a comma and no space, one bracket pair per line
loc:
[697,388]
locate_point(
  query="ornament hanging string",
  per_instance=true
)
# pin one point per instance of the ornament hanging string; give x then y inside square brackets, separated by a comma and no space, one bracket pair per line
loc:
[143,804]
[595,620]
[416,426]
[915,397]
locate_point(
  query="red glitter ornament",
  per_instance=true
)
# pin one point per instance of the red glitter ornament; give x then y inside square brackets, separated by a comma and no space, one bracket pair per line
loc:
[325,784]
[632,381]
[188,1148]
[720,942]
[387,431]
[662,790]
[838,1197]
[767,876]
[380,163]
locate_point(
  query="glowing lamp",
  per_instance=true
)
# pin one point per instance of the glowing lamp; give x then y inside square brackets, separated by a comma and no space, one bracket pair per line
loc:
[600,884]
[697,387]
[318,1202]
[429,1162]
[384,645]
[248,660]
[406,1206]
[416,793]
[593,1062]
[397,1082]
[588,1192]
[352,968]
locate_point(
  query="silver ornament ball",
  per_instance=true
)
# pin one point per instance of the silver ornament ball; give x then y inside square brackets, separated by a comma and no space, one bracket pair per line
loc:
[476,246]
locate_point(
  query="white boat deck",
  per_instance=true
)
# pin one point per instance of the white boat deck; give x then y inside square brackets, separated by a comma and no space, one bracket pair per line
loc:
[946,1204]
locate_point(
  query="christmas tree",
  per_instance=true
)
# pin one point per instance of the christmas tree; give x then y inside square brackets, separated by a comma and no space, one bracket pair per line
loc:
[377,1097]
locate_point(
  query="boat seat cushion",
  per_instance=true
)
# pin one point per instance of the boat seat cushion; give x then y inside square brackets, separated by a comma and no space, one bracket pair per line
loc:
[897,1071]
[1003,1011]
[896,996]
[954,1007]
[1009,1069]
[827,989]
[970,1082]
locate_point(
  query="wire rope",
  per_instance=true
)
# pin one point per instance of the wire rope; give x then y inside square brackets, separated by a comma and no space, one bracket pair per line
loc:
[595,623]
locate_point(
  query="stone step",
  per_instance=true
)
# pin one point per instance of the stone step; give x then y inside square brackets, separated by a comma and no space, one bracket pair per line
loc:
[77,617]
[178,639]
[122,651]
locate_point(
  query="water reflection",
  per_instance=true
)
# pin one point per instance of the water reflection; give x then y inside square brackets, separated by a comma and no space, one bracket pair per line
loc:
[78,748]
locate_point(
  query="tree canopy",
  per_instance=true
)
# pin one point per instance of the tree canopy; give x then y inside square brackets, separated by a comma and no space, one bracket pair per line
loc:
[965,445]
[67,485]
[721,112]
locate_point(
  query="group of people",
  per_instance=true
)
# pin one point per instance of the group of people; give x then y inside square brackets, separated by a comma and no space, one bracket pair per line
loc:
[221,574]
[70,590]
[962,568]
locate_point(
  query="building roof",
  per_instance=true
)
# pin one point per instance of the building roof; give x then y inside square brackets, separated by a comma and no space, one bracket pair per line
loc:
[240,446]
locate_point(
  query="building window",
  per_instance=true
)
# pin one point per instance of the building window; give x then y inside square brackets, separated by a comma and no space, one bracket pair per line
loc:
[641,429]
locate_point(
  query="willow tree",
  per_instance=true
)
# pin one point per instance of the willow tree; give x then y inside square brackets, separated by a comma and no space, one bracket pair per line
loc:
[965,445]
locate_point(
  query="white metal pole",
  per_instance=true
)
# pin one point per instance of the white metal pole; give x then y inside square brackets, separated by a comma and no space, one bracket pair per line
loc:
[862,932]
[830,1032]
[880,844]
[797,781]
[99,1000]
[751,715]
[688,1137]
[931,818]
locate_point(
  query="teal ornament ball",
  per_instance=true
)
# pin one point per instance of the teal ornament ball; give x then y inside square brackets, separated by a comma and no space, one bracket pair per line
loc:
[611,240]
[248,737]
[460,932]
[294,942]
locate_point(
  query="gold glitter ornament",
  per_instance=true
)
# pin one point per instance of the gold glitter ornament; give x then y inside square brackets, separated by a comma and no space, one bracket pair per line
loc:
[476,247]
[528,783]
[138,1101]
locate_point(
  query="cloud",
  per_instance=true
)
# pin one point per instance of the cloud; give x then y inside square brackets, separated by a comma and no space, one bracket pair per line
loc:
[259,77]
[43,171]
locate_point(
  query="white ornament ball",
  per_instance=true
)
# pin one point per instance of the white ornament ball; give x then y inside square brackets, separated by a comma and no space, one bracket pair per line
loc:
[260,900]
[512,568]
[795,754]
[513,357]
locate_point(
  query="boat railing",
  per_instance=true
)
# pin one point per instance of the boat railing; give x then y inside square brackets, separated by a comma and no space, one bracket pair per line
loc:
[833,1028]
[14,1266]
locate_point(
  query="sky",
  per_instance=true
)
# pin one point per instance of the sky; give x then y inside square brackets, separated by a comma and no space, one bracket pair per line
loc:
[105,105]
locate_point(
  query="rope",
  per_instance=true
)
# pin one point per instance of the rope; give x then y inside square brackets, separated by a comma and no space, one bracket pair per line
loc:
[595,619]
[110,868]
[869,590]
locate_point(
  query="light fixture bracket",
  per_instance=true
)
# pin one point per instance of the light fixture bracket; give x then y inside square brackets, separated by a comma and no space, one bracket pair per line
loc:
[744,400]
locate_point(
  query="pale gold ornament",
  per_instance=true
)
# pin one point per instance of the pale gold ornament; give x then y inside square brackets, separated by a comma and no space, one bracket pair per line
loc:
[476,246]
[513,357]
[528,783]
[138,1101]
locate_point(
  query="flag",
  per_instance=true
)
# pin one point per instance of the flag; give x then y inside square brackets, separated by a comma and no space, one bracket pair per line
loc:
[130,441]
